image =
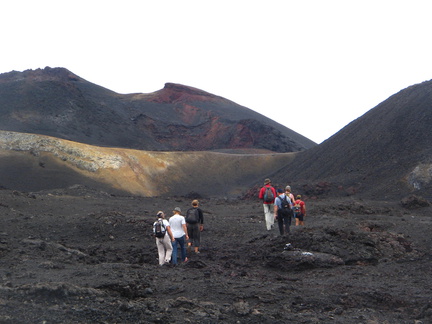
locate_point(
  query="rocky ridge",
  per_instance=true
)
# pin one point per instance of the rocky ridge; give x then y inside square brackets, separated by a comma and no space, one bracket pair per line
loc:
[52,162]
[55,102]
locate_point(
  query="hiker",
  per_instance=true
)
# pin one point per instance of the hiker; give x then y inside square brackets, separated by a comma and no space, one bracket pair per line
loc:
[289,194]
[268,195]
[179,231]
[164,237]
[283,212]
[195,225]
[299,211]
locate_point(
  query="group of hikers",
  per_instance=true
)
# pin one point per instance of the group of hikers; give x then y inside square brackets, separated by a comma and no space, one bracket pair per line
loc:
[184,232]
[178,231]
[281,205]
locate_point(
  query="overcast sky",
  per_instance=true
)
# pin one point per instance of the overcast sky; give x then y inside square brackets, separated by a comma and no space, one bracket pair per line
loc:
[313,66]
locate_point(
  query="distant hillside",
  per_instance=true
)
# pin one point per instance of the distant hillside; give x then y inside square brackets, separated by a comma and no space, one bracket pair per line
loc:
[31,162]
[385,153]
[58,103]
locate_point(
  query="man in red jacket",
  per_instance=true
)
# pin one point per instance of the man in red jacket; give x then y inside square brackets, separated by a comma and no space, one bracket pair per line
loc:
[268,195]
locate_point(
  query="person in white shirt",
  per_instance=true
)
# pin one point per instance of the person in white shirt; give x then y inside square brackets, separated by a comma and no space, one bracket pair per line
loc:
[179,230]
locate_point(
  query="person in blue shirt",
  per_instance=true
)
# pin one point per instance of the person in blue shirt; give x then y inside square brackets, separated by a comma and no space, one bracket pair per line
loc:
[283,212]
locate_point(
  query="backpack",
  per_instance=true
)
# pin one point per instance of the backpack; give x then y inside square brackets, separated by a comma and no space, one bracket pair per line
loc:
[297,207]
[285,209]
[268,195]
[159,228]
[192,216]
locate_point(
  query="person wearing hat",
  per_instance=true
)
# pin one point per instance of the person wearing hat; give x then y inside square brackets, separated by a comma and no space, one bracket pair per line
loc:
[268,194]
[283,212]
[195,225]
[300,210]
[179,230]
[163,244]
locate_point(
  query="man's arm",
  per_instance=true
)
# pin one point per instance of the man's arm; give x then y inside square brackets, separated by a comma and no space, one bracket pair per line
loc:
[170,233]
[275,208]
[261,193]
[201,219]
[185,230]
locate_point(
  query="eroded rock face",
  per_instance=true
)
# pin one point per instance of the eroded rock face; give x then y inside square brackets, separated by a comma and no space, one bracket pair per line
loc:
[78,155]
[35,162]
[57,103]
[421,176]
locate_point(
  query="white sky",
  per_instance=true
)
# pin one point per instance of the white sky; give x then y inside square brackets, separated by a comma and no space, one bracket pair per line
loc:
[314,66]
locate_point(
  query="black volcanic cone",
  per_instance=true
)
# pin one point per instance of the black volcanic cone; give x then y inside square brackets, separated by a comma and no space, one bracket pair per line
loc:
[386,152]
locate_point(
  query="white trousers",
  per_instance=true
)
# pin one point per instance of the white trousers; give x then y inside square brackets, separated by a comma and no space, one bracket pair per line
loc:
[165,249]
[268,214]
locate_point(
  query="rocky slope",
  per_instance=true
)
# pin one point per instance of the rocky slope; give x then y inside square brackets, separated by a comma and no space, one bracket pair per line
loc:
[32,162]
[57,103]
[386,153]
[82,256]
[70,253]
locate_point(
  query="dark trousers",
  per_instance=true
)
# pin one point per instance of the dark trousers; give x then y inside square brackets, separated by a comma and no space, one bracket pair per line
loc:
[194,234]
[181,241]
[284,223]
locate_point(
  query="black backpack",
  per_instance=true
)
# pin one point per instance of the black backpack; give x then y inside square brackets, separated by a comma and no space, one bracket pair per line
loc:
[192,216]
[285,209]
[268,195]
[159,228]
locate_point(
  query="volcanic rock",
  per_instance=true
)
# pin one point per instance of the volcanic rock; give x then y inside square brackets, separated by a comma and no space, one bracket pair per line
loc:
[385,153]
[58,103]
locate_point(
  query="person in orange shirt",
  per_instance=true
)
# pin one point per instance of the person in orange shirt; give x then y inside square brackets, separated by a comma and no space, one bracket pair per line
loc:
[299,210]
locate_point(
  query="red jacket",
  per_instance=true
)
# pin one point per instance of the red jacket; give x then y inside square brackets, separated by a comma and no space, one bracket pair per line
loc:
[262,191]
[302,206]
